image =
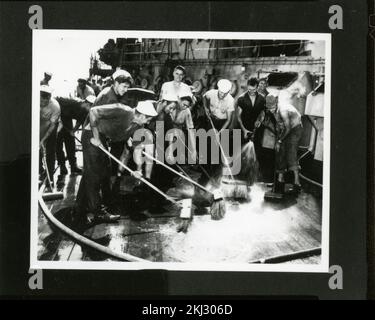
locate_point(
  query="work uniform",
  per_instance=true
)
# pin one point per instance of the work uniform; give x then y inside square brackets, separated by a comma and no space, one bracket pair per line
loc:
[49,115]
[70,109]
[84,93]
[271,128]
[287,158]
[219,108]
[174,88]
[109,96]
[114,122]
[161,177]
[251,107]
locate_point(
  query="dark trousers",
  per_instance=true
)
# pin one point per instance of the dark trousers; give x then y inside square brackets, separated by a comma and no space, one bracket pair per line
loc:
[287,158]
[266,159]
[95,186]
[116,149]
[50,155]
[64,137]
[214,170]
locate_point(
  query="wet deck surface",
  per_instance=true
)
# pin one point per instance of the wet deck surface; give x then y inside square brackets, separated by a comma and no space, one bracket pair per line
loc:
[251,231]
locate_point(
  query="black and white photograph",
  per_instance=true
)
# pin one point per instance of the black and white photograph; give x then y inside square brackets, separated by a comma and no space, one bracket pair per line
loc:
[180,150]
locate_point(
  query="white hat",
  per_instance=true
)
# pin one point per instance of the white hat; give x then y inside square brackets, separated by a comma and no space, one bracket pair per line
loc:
[121,72]
[170,97]
[146,108]
[224,85]
[185,92]
[91,98]
[46,89]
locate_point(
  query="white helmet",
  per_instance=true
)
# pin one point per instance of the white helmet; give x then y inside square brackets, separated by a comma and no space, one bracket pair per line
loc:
[146,108]
[169,97]
[46,89]
[121,72]
[91,98]
[224,85]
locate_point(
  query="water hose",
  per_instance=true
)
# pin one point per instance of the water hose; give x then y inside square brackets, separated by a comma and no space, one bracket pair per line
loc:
[81,239]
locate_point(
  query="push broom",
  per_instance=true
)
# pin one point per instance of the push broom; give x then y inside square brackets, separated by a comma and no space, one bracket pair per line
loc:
[53,195]
[185,204]
[232,188]
[217,209]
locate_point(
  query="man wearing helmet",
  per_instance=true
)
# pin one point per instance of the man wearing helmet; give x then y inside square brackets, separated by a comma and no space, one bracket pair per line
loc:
[220,104]
[118,123]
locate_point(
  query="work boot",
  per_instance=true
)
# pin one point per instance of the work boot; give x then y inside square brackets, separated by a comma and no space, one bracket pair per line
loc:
[280,187]
[63,169]
[105,216]
[75,170]
[296,188]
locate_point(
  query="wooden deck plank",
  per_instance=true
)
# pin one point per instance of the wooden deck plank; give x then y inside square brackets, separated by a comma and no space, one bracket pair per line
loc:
[64,249]
[145,239]
[76,254]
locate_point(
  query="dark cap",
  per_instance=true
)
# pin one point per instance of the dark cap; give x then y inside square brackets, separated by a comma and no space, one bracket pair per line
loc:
[188,98]
[252,82]
[179,67]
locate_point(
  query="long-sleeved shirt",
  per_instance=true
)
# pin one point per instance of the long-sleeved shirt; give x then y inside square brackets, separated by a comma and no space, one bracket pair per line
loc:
[84,93]
[72,109]
[49,114]
[115,121]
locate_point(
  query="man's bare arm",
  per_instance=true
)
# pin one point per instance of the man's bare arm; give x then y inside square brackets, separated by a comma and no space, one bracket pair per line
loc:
[286,120]
[50,129]
[238,112]
[229,119]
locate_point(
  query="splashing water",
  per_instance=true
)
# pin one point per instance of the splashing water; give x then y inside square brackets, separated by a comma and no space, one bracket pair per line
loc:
[239,237]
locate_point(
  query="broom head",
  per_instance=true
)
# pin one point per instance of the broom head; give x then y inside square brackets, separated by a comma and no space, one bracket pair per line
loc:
[218,208]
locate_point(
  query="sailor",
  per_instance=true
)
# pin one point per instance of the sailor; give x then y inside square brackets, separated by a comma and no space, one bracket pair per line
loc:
[83,90]
[71,109]
[161,177]
[177,86]
[122,81]
[174,115]
[220,104]
[47,77]
[271,127]
[249,105]
[118,123]
[49,120]
[287,143]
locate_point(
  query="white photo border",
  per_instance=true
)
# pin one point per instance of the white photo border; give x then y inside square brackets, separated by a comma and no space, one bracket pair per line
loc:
[39,36]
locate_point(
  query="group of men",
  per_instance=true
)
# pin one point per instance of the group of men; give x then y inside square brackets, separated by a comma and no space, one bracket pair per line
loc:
[108,123]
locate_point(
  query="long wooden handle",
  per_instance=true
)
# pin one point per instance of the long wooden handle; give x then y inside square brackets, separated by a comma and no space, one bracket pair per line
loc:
[200,166]
[141,179]
[44,161]
[218,142]
[176,172]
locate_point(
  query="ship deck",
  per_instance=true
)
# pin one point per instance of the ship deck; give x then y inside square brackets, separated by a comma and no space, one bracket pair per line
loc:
[249,232]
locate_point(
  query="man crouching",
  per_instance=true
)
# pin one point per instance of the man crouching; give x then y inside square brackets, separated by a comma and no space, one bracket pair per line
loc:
[117,123]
